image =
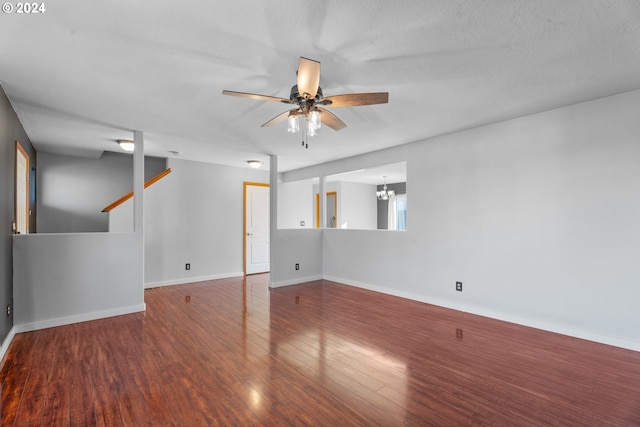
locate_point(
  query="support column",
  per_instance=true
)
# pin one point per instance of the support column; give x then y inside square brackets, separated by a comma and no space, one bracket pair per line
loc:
[138,182]
[273,217]
[323,201]
[138,194]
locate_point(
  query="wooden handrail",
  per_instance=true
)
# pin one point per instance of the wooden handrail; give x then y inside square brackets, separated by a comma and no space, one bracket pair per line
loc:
[129,195]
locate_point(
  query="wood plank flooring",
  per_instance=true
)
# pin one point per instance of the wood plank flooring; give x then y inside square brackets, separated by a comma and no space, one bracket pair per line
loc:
[230,352]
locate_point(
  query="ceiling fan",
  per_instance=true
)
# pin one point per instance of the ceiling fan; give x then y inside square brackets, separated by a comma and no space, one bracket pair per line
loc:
[308,98]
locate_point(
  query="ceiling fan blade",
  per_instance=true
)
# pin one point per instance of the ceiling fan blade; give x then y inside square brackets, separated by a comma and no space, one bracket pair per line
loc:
[257,97]
[308,77]
[356,99]
[331,120]
[278,119]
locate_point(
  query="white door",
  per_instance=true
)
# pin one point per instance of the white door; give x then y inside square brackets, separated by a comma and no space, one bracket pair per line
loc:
[257,229]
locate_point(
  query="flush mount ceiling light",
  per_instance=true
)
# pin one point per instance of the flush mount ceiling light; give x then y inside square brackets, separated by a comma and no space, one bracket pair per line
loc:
[385,194]
[127,145]
[254,163]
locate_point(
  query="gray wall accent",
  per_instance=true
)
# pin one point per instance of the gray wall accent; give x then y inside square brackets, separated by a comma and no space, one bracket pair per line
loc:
[293,247]
[72,191]
[10,131]
[68,278]
[383,205]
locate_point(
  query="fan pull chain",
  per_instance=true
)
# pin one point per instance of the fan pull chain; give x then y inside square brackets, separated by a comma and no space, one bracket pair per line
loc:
[304,141]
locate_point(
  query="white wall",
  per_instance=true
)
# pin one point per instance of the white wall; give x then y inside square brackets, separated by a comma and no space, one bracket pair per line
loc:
[295,204]
[359,206]
[121,217]
[538,217]
[68,278]
[194,215]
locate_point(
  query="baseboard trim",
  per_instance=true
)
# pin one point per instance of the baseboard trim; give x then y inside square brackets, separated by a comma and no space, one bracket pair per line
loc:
[186,280]
[295,281]
[51,323]
[5,345]
[532,323]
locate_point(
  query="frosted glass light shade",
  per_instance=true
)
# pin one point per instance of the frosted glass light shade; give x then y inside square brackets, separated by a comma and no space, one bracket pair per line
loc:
[293,124]
[127,145]
[314,119]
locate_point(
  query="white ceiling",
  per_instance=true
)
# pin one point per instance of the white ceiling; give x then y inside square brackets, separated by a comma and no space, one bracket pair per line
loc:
[85,73]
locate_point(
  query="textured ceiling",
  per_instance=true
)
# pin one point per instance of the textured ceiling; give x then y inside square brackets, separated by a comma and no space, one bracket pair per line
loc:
[85,73]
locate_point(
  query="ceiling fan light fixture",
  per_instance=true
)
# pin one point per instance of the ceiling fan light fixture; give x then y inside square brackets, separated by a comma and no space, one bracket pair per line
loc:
[308,99]
[127,145]
[314,119]
[293,123]
[255,164]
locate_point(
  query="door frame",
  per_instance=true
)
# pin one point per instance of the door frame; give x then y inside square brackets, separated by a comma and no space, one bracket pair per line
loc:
[27,218]
[335,208]
[244,221]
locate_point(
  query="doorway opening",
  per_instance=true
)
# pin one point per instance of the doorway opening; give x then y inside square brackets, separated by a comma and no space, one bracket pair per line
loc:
[331,210]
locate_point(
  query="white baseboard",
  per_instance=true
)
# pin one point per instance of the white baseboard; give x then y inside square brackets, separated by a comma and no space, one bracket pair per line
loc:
[532,323]
[5,345]
[185,280]
[50,323]
[295,281]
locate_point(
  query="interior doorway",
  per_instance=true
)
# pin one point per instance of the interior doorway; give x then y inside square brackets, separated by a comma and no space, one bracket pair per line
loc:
[331,210]
[21,191]
[256,228]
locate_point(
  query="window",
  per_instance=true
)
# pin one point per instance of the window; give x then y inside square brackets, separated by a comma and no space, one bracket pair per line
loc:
[398,212]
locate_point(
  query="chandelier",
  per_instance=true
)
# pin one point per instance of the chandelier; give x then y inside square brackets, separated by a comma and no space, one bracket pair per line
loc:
[385,194]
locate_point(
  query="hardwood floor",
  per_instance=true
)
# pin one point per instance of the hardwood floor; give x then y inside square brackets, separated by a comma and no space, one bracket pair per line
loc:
[226,352]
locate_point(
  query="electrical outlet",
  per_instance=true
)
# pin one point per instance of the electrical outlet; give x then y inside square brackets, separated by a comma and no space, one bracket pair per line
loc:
[297,266]
[8,310]
[301,223]
[459,333]
[187,266]
[459,286]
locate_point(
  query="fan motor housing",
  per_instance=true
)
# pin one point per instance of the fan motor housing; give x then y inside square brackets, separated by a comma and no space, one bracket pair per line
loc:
[300,100]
